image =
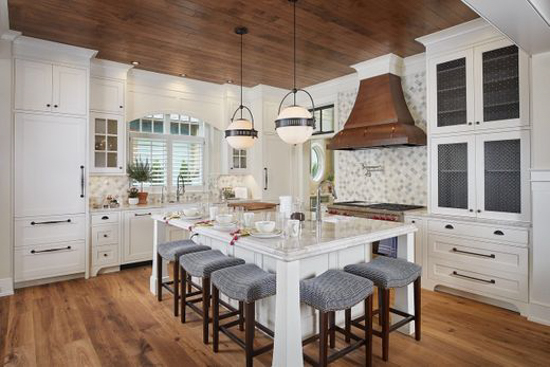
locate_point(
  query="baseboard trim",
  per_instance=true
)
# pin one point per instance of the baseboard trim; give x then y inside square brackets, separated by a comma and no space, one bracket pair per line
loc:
[6,287]
[539,313]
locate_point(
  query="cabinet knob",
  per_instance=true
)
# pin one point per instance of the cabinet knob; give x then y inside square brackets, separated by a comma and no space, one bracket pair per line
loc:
[105,236]
[119,167]
[449,226]
[48,105]
[105,255]
[477,122]
[120,107]
[471,210]
[470,123]
[55,106]
[479,210]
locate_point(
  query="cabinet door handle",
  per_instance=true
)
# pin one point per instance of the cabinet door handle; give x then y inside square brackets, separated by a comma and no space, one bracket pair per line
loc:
[50,222]
[142,215]
[82,181]
[50,250]
[449,226]
[104,217]
[265,178]
[457,274]
[498,233]
[492,256]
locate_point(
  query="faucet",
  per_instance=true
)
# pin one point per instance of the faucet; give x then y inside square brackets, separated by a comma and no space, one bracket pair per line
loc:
[318,201]
[180,190]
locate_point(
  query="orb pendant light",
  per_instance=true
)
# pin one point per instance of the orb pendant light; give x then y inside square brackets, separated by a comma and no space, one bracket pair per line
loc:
[240,133]
[295,124]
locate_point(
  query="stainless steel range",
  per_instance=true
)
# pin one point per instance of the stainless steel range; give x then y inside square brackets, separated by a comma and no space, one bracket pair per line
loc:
[379,211]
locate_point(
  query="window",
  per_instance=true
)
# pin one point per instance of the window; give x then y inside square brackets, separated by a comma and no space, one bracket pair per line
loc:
[317,164]
[324,120]
[173,144]
[239,158]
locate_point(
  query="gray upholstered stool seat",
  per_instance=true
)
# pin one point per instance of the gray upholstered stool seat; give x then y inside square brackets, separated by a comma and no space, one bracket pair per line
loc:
[387,272]
[335,290]
[204,263]
[245,283]
[171,251]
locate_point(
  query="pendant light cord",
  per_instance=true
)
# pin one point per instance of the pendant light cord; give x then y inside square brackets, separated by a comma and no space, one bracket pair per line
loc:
[294,88]
[241,77]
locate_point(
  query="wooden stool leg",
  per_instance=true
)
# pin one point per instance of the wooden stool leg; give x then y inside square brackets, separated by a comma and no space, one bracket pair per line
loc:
[332,333]
[323,339]
[241,316]
[368,330]
[386,324]
[417,308]
[205,308]
[380,299]
[176,268]
[159,277]
[348,325]
[189,285]
[183,304]
[215,317]
[250,324]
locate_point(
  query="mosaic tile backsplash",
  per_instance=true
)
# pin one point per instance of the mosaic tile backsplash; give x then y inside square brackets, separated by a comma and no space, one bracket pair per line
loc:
[404,176]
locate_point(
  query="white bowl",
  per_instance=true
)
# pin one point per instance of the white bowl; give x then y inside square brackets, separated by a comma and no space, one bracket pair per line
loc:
[224,219]
[190,212]
[265,226]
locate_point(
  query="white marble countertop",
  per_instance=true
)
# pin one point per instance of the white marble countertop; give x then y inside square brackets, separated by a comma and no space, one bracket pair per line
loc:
[425,214]
[331,235]
[168,206]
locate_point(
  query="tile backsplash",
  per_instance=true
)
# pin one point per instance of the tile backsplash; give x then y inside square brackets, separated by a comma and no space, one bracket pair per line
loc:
[404,178]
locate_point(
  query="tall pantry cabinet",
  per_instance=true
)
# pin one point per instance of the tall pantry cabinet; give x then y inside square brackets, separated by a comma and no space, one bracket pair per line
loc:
[51,159]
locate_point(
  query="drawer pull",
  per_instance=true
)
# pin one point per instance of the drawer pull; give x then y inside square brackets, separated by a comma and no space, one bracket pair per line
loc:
[142,215]
[457,274]
[105,255]
[51,222]
[498,233]
[105,236]
[448,226]
[492,256]
[104,217]
[50,250]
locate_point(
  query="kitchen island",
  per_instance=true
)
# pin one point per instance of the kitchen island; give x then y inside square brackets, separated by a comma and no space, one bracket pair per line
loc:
[332,244]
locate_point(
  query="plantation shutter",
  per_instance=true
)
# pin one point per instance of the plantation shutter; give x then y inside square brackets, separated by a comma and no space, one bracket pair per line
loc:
[153,151]
[187,159]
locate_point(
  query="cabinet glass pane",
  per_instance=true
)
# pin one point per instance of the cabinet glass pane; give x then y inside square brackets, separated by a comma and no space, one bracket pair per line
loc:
[243,162]
[328,119]
[112,127]
[451,93]
[112,143]
[100,142]
[100,126]
[503,176]
[453,175]
[111,160]
[501,84]
[99,160]
[236,162]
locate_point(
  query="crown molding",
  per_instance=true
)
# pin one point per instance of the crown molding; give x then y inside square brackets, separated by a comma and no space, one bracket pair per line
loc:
[35,48]
[414,64]
[10,35]
[389,63]
[109,69]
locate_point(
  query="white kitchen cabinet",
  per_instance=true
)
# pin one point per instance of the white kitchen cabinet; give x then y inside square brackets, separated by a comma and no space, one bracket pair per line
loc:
[138,236]
[50,88]
[50,165]
[483,175]
[270,113]
[239,161]
[106,241]
[420,250]
[107,95]
[276,175]
[108,143]
[482,87]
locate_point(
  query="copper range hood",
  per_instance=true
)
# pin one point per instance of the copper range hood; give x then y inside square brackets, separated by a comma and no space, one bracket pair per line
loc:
[379,118]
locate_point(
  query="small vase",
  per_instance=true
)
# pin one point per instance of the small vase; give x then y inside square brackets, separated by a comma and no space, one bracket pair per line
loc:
[142,197]
[133,201]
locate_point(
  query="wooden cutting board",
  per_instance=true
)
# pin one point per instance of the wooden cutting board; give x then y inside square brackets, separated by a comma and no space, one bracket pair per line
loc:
[254,206]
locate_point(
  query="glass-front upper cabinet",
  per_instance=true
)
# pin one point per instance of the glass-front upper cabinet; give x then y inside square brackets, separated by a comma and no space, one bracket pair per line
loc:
[108,143]
[484,87]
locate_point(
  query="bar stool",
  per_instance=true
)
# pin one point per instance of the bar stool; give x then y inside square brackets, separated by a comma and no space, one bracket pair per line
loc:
[202,265]
[247,284]
[171,252]
[388,273]
[332,291]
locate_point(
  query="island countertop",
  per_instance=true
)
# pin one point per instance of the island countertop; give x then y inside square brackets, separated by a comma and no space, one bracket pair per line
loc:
[315,238]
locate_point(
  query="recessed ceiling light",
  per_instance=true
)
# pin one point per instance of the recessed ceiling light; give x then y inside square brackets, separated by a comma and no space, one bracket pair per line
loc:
[183,75]
[136,63]
[230,81]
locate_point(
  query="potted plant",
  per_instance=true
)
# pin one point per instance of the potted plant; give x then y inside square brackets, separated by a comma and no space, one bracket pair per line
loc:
[133,196]
[141,172]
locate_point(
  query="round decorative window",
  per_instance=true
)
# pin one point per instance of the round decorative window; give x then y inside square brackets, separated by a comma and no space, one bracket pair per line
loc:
[317,162]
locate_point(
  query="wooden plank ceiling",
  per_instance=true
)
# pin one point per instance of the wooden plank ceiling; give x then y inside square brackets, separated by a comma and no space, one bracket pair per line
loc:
[196,37]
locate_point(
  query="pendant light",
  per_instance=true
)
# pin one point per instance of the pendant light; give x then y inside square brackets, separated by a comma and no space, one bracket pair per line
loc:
[240,133]
[295,124]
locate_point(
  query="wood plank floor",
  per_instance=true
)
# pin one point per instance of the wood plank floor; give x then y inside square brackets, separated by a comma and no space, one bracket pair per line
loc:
[113,320]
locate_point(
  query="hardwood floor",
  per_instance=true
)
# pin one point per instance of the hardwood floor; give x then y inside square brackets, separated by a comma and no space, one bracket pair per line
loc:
[113,320]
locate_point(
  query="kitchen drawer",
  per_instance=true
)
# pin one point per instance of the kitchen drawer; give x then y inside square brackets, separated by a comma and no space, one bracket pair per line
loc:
[484,255]
[49,260]
[471,278]
[105,234]
[39,230]
[105,218]
[105,255]
[490,232]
